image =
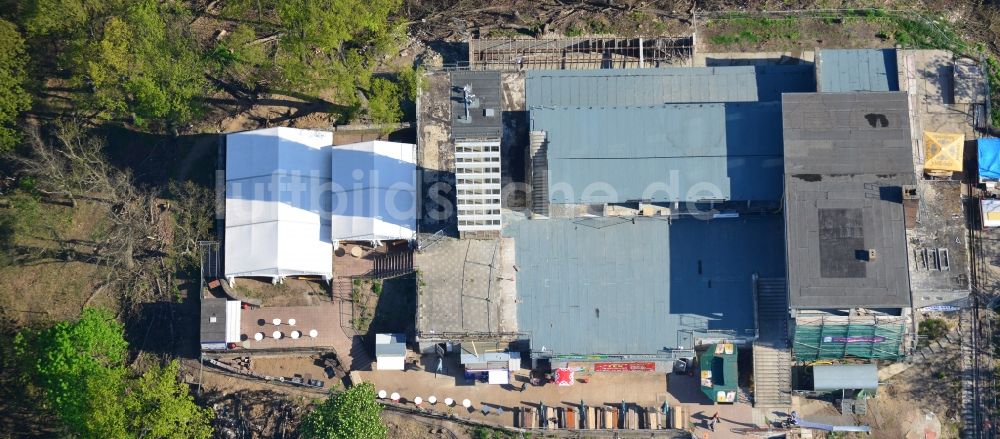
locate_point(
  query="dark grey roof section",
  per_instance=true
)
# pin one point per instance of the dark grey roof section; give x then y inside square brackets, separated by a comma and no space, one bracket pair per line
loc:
[846,157]
[213,332]
[842,70]
[638,87]
[484,113]
[619,286]
[847,133]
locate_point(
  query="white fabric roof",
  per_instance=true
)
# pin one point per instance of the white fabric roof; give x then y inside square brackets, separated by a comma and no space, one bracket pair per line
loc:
[499,377]
[233,320]
[374,191]
[276,222]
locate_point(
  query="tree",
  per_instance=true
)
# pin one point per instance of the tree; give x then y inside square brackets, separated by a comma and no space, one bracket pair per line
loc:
[13,76]
[79,368]
[383,103]
[412,81]
[65,18]
[162,407]
[144,65]
[352,414]
[65,162]
[316,43]
[194,208]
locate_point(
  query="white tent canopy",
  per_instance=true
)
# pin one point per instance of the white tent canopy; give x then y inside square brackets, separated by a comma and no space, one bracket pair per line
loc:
[276,222]
[374,191]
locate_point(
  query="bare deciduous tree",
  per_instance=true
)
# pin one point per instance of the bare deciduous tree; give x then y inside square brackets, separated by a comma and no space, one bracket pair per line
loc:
[68,164]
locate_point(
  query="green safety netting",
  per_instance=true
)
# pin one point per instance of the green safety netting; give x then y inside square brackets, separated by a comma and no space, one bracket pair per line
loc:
[839,340]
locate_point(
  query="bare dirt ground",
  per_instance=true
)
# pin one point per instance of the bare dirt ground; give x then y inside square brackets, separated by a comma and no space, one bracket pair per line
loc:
[292,292]
[55,279]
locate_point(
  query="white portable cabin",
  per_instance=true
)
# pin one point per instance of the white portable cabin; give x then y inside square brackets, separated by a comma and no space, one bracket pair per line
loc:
[276,214]
[374,194]
[220,323]
[390,351]
[990,212]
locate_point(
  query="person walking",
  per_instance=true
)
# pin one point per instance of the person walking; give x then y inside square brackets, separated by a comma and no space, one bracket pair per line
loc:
[714,420]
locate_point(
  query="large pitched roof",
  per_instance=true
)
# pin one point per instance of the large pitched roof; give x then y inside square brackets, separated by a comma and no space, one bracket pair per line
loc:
[275,211]
[676,152]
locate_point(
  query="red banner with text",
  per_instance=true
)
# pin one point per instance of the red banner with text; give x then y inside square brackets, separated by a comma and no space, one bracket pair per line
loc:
[635,366]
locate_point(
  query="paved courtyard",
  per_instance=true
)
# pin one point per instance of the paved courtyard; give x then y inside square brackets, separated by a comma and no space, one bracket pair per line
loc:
[466,286]
[644,389]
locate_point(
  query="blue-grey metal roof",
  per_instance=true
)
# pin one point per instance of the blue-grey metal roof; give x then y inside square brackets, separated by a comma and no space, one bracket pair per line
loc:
[845,376]
[633,87]
[842,70]
[616,285]
[390,350]
[390,345]
[677,152]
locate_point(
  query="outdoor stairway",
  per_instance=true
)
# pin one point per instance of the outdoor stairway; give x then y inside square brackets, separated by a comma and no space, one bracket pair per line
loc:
[349,346]
[539,174]
[771,357]
[395,263]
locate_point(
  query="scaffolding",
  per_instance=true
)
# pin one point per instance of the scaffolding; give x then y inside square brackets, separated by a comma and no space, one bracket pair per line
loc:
[580,53]
[834,337]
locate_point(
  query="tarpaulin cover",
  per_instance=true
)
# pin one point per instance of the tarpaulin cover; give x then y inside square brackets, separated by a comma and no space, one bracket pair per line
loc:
[564,377]
[499,377]
[989,158]
[943,151]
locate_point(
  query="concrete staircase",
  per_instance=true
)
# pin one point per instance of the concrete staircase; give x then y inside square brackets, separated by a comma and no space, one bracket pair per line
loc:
[771,356]
[538,157]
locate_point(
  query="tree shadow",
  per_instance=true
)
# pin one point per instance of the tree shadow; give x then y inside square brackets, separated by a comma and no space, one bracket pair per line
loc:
[164,328]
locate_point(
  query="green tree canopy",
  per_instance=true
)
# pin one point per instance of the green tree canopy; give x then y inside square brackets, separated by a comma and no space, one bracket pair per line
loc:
[144,64]
[13,76]
[352,414]
[383,102]
[136,58]
[79,368]
[162,408]
[64,18]
[317,43]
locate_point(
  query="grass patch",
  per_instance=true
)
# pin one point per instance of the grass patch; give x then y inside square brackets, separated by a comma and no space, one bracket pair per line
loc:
[482,432]
[932,329]
[993,78]
[599,26]
[911,30]
[503,33]
[755,30]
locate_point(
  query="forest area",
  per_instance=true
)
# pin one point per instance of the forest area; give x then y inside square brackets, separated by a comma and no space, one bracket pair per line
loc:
[106,186]
[110,112]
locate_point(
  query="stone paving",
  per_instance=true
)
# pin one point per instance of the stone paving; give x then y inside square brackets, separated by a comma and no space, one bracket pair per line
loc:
[466,286]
